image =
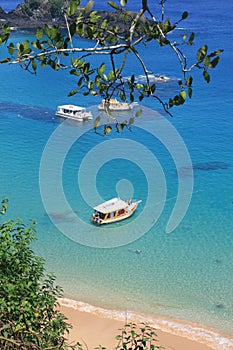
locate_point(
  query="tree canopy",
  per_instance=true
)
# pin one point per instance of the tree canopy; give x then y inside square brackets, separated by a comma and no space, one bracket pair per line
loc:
[29,315]
[113,36]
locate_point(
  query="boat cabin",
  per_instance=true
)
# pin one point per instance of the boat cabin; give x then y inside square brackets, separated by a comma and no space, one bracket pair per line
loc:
[73,112]
[113,210]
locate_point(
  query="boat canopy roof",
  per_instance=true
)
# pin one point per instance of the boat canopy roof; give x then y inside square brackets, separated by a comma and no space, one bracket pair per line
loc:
[72,107]
[112,101]
[111,205]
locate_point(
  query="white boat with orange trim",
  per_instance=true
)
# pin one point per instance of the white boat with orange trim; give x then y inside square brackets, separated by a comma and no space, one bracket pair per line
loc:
[114,210]
[73,112]
[114,105]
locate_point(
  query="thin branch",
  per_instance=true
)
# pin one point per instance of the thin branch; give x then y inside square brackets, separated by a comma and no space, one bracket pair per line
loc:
[68,29]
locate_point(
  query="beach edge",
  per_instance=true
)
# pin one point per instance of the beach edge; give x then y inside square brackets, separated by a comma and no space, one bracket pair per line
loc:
[93,326]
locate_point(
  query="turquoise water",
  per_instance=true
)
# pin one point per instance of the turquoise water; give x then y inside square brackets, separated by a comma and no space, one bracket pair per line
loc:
[186,274]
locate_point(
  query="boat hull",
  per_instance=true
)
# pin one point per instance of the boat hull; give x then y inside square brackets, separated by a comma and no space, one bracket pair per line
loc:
[117,108]
[78,118]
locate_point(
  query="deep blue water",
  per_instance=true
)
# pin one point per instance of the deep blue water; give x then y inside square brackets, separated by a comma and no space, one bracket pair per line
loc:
[186,274]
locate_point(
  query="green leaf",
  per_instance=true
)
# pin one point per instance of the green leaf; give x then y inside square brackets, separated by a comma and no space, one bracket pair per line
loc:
[72,8]
[113,5]
[107,129]
[101,69]
[105,77]
[201,53]
[52,64]
[189,81]
[215,53]
[206,76]
[39,33]
[121,126]
[104,24]
[214,62]
[34,65]
[97,122]
[94,93]
[111,75]
[90,84]
[170,102]
[21,48]
[80,82]
[47,30]
[80,29]
[207,61]
[72,28]
[191,38]
[72,93]
[190,92]
[153,88]
[131,97]
[185,15]
[89,33]
[123,2]
[11,49]
[54,32]
[122,96]
[138,113]
[183,94]
[89,6]
[39,46]
[163,41]
[131,121]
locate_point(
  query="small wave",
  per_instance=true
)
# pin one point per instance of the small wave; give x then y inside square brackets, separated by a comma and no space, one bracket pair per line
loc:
[191,331]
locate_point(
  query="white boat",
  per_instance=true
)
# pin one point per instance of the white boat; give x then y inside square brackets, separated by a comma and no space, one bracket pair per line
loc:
[73,112]
[153,78]
[114,105]
[114,210]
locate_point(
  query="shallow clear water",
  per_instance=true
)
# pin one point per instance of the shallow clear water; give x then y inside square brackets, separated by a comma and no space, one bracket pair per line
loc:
[186,274]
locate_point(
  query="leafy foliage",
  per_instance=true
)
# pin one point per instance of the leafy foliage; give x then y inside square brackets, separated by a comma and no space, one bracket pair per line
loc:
[29,318]
[114,36]
[117,36]
[137,337]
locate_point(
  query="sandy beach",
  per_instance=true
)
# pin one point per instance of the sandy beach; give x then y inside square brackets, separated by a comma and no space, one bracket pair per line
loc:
[94,330]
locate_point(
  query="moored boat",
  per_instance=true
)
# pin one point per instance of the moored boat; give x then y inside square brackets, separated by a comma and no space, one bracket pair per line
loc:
[113,210]
[73,112]
[114,105]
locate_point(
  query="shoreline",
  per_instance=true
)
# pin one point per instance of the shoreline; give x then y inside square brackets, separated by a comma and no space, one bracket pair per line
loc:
[94,326]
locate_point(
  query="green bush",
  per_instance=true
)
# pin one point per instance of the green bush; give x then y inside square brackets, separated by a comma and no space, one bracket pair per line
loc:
[29,317]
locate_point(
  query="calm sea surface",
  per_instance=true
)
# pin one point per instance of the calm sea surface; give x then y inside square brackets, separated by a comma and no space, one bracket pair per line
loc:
[184,275]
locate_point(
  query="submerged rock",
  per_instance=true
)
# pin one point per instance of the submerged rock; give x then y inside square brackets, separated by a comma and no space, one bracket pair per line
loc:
[208,166]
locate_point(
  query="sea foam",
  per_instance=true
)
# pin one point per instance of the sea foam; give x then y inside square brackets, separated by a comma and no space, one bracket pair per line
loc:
[191,331]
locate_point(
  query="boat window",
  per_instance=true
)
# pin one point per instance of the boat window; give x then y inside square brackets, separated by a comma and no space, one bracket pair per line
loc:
[121,211]
[102,216]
